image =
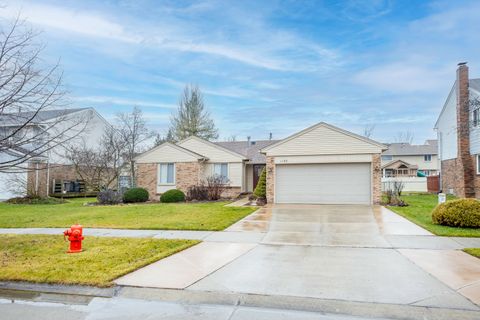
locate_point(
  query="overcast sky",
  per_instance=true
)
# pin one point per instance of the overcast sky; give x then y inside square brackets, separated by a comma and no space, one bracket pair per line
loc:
[264,66]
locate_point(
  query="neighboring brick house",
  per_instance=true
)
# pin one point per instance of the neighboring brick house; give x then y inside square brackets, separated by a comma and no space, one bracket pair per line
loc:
[321,164]
[458,131]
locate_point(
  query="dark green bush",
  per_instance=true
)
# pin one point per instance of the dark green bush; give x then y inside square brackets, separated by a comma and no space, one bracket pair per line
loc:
[173,195]
[261,188]
[133,195]
[463,213]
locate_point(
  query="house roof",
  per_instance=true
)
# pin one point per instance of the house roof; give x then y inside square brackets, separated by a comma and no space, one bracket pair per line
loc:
[407,149]
[475,84]
[324,124]
[19,118]
[249,149]
[395,164]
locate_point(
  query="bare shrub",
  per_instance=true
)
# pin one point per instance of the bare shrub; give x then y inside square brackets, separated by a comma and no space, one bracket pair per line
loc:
[198,192]
[216,184]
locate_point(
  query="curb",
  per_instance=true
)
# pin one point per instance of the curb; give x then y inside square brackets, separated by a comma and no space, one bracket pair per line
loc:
[327,306]
[36,289]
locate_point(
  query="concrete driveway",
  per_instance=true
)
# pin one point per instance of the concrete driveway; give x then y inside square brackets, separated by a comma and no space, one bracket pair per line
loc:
[344,253]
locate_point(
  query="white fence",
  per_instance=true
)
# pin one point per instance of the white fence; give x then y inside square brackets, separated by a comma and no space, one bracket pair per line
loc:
[417,184]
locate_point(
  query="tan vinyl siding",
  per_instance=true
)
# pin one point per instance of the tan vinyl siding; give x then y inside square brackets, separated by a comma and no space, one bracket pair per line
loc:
[166,153]
[323,140]
[213,153]
[249,178]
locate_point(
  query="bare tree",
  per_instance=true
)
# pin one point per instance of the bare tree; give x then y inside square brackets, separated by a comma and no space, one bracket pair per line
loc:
[134,132]
[192,119]
[404,137]
[100,167]
[368,130]
[26,92]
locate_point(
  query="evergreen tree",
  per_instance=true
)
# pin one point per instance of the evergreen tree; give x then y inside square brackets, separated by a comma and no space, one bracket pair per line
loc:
[261,188]
[192,119]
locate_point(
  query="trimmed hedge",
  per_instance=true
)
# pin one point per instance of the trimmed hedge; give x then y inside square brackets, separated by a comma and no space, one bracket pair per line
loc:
[133,195]
[173,195]
[463,213]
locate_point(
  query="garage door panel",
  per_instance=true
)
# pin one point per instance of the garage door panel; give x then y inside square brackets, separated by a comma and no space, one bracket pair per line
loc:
[345,183]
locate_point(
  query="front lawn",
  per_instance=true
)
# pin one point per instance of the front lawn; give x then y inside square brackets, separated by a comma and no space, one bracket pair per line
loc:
[473,251]
[419,211]
[42,258]
[172,216]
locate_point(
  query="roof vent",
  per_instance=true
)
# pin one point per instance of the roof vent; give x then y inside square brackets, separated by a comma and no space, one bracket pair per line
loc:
[253,143]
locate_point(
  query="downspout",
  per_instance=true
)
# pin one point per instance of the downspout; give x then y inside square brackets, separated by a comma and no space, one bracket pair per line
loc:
[48,178]
[36,178]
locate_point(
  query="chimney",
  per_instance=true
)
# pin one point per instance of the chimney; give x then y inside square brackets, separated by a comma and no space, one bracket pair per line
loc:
[464,159]
[248,141]
[271,136]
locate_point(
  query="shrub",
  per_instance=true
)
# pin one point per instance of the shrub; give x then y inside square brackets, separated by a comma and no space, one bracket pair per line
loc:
[173,195]
[463,213]
[35,200]
[261,188]
[109,197]
[216,184]
[199,192]
[135,195]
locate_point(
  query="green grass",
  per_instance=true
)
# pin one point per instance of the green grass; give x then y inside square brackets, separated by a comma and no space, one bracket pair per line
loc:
[42,258]
[171,216]
[419,211]
[473,251]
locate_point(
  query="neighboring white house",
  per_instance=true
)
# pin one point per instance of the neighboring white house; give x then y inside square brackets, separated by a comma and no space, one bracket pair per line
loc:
[409,164]
[321,164]
[458,132]
[80,125]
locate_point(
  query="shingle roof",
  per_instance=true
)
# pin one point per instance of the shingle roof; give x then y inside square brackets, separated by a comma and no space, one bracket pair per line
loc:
[11,119]
[399,149]
[250,150]
[475,84]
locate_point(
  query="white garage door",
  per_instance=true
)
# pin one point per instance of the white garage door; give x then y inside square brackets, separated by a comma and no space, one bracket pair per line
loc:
[332,183]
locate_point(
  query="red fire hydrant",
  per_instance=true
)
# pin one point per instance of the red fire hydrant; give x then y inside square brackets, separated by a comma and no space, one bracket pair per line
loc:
[75,236]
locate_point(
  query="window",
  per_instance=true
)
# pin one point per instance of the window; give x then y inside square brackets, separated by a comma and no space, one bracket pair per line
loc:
[476,117]
[221,169]
[387,158]
[427,157]
[478,163]
[166,173]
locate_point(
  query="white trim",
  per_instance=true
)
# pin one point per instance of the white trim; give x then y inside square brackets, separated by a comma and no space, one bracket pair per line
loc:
[477,157]
[329,126]
[159,171]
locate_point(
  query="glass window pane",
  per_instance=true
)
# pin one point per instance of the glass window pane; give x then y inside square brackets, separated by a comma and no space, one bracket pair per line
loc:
[170,173]
[224,169]
[163,173]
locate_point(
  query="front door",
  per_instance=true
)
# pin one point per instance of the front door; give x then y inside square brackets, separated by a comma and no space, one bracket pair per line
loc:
[257,171]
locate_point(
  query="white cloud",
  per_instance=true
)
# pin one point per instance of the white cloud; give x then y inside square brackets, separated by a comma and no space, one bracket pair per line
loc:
[267,51]
[124,102]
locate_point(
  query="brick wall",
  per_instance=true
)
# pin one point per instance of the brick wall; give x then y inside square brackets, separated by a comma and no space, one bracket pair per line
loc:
[38,176]
[188,174]
[147,178]
[270,167]
[376,179]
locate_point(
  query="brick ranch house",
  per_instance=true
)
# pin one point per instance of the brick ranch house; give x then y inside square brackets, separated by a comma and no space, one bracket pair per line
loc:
[322,164]
[458,131]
